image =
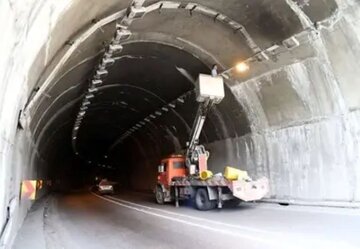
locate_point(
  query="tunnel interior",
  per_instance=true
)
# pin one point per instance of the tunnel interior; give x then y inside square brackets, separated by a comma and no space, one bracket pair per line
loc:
[261,126]
[145,77]
[293,117]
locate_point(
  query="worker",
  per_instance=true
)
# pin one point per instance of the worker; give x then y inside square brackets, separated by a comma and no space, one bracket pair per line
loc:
[214,72]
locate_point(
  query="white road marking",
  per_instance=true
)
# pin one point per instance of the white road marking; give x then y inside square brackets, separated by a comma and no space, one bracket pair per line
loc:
[274,242]
[250,229]
[278,241]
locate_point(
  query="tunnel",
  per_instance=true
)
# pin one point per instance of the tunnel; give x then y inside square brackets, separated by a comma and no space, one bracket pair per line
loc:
[293,117]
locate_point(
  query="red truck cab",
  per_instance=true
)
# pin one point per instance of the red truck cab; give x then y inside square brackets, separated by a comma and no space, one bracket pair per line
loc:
[170,167]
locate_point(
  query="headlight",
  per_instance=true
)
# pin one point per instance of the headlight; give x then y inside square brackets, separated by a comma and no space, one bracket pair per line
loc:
[106,187]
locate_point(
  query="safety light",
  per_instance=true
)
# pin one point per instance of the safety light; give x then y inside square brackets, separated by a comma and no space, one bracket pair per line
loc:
[242,67]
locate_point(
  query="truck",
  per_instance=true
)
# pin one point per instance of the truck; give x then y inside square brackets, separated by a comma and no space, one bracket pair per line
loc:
[186,176]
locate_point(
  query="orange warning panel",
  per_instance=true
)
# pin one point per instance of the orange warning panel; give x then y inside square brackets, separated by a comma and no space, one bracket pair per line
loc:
[28,189]
[39,184]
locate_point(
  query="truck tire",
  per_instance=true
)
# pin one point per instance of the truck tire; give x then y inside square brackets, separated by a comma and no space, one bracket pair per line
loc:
[159,195]
[202,201]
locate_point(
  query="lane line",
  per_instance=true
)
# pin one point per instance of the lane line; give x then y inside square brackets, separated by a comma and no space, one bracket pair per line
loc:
[267,241]
[281,241]
[249,229]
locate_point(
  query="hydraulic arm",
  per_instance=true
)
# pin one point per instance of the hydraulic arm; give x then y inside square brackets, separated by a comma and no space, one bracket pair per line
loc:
[209,91]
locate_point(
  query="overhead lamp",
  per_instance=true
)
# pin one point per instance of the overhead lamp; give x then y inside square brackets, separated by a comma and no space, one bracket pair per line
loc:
[181,100]
[101,73]
[96,82]
[92,89]
[86,102]
[138,125]
[122,34]
[136,12]
[164,109]
[152,116]
[74,138]
[89,96]
[142,122]
[158,113]
[107,62]
[82,113]
[147,120]
[76,128]
[115,48]
[83,108]
[242,67]
[171,105]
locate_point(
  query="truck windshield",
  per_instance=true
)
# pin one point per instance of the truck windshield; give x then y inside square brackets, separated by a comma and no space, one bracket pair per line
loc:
[178,165]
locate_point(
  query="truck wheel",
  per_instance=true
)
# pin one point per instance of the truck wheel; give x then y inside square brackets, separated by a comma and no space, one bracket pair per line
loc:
[159,195]
[202,201]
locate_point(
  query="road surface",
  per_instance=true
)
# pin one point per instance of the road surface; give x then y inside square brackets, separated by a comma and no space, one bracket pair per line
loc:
[133,220]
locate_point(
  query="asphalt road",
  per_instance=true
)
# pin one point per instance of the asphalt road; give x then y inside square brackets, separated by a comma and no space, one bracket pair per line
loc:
[132,220]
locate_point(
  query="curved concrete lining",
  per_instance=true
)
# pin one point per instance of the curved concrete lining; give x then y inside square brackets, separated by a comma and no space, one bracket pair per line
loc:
[294,117]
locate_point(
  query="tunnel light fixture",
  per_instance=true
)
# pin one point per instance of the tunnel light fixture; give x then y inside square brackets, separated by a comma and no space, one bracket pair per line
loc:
[181,100]
[96,82]
[164,109]
[89,96]
[122,34]
[138,125]
[84,108]
[136,13]
[147,120]
[171,105]
[76,127]
[101,73]
[142,122]
[262,56]
[152,116]
[106,62]
[82,113]
[158,113]
[85,103]
[242,67]
[115,48]
[74,138]
[92,89]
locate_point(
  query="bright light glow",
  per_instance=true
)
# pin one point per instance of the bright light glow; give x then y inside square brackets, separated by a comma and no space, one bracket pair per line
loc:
[242,67]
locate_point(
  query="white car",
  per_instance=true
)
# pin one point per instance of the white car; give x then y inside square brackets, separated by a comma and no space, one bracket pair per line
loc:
[105,187]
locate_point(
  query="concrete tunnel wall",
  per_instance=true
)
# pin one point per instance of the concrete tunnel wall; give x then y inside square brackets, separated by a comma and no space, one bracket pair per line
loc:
[302,110]
[304,120]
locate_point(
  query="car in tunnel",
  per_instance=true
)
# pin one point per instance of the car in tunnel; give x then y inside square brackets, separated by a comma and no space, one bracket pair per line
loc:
[105,187]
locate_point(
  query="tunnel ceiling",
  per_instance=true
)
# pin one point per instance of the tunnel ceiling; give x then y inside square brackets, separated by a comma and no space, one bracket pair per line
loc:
[168,49]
